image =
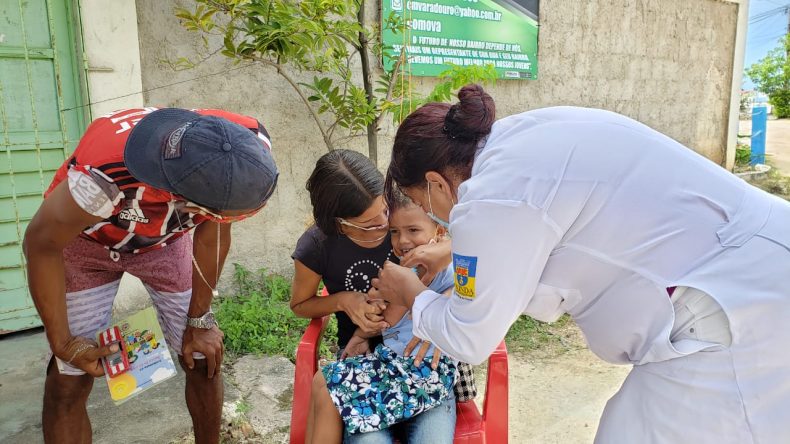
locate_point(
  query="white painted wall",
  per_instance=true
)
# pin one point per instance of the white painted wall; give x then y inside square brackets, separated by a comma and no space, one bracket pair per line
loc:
[112,55]
[739,54]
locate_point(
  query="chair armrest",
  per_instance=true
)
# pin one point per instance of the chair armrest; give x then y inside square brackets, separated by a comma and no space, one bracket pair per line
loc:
[306,367]
[495,405]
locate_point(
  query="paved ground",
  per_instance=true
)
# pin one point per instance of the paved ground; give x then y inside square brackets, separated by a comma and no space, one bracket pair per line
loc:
[777,144]
[160,413]
[560,400]
[258,385]
[555,400]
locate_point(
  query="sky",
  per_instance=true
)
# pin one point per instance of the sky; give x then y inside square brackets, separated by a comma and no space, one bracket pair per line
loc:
[764,32]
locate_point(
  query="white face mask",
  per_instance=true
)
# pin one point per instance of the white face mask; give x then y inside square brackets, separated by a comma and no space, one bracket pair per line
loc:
[434,217]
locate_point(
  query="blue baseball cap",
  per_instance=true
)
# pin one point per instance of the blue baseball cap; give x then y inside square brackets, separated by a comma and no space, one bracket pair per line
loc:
[209,160]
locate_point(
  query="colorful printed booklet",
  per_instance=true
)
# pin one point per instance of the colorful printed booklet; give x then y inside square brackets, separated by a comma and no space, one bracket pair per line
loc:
[149,359]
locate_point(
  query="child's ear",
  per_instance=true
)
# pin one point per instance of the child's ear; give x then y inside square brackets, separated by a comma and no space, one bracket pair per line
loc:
[441,232]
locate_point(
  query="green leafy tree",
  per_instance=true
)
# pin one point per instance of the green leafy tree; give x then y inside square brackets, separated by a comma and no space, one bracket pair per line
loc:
[324,37]
[771,75]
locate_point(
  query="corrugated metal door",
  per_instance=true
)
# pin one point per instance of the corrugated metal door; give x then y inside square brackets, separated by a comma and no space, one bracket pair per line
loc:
[41,119]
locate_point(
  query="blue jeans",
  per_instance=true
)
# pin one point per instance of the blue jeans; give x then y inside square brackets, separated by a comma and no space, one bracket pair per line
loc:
[436,425]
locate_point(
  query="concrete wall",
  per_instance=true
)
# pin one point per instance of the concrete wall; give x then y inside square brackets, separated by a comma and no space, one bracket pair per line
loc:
[666,63]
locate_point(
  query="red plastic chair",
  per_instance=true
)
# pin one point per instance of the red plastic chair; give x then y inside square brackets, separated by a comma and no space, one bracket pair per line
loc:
[470,427]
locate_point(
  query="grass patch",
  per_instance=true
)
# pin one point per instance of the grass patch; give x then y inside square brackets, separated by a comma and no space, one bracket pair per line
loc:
[257,318]
[542,339]
[243,407]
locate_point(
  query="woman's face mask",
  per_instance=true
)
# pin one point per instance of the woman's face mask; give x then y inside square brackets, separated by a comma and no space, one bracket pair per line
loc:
[432,214]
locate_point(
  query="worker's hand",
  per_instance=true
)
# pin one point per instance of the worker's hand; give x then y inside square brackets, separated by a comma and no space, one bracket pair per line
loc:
[429,259]
[356,346]
[396,285]
[422,351]
[207,341]
[368,317]
[85,354]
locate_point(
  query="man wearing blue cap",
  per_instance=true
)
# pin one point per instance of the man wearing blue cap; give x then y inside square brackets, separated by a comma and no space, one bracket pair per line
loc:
[139,180]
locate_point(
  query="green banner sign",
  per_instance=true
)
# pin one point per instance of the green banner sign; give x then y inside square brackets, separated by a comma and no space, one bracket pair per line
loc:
[503,33]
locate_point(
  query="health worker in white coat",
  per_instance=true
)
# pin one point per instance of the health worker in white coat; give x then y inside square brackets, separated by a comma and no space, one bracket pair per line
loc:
[664,260]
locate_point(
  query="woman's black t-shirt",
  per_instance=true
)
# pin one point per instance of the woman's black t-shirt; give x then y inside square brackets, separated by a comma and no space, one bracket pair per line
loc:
[343,266]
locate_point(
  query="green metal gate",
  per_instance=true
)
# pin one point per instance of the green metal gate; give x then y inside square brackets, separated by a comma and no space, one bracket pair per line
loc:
[41,119]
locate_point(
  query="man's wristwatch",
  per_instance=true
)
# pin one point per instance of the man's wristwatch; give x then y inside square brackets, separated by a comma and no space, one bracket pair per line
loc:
[205,322]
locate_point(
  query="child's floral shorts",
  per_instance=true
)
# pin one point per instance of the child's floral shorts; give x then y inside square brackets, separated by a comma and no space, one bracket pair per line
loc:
[376,391]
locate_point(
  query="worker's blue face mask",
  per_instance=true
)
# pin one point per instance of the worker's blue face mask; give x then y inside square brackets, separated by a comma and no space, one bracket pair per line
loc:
[434,217]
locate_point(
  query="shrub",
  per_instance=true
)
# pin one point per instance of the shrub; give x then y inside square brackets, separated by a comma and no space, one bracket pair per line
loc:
[780,100]
[743,155]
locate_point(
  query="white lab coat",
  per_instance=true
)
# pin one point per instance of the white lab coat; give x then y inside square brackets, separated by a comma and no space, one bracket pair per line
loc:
[587,212]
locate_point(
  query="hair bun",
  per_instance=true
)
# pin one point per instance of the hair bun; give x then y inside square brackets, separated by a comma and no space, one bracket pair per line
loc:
[472,117]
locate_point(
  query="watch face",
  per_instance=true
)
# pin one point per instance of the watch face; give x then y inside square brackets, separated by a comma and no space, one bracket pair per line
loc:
[206,321]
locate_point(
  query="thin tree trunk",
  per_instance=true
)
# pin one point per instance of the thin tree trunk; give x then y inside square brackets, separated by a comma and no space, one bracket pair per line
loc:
[373,130]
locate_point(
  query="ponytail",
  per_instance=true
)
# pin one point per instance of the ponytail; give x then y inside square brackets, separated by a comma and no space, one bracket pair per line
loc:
[439,137]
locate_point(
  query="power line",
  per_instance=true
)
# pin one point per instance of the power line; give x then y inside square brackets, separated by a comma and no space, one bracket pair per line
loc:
[765,22]
[767,38]
[765,29]
[764,19]
[161,86]
[763,15]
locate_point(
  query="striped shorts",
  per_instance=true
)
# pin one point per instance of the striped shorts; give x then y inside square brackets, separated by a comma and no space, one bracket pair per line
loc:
[93,277]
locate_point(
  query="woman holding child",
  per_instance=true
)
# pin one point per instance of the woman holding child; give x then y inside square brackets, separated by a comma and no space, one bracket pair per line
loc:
[374,393]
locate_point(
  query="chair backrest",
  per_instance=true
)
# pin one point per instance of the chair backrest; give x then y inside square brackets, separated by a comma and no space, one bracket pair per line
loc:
[306,367]
[495,405]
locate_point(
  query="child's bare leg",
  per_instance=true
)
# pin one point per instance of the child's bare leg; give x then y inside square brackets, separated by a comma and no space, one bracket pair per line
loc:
[323,422]
[308,435]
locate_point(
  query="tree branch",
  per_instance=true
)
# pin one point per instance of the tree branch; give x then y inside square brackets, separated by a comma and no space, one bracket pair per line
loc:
[391,86]
[218,6]
[289,79]
[394,79]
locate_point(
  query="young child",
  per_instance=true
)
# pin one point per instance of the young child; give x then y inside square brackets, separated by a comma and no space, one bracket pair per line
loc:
[369,392]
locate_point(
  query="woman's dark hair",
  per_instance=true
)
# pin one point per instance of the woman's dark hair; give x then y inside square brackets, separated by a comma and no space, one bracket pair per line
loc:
[396,200]
[344,184]
[442,138]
